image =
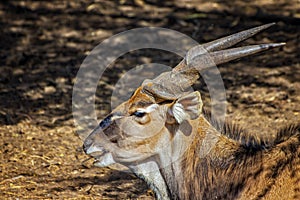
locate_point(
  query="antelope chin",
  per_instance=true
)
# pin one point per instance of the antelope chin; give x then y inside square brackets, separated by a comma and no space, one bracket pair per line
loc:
[105,160]
[95,151]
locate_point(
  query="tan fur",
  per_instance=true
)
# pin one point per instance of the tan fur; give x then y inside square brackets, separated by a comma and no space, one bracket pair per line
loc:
[217,164]
[183,154]
[273,173]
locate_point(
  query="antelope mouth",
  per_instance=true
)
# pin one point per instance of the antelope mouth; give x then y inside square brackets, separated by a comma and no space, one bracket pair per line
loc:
[95,151]
[98,155]
[103,160]
[102,153]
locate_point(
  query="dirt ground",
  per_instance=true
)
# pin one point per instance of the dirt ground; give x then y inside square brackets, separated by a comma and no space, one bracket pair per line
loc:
[43,44]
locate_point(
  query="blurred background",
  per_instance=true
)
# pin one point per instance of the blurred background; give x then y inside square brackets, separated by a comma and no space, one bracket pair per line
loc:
[43,44]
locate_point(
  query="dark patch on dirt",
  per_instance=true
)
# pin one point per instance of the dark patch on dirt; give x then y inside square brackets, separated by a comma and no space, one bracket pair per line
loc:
[43,44]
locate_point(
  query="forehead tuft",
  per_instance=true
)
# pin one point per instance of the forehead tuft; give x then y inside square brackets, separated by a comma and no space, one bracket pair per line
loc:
[140,100]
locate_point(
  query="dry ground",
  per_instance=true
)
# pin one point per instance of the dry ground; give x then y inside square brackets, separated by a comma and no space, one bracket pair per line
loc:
[43,44]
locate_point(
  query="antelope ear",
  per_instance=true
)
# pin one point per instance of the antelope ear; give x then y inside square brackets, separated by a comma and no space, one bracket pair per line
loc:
[187,107]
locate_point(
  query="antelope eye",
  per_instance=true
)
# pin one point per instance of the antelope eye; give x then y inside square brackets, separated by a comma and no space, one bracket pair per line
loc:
[139,114]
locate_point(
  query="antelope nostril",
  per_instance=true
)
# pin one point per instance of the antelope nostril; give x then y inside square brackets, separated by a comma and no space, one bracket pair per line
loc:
[106,121]
[85,148]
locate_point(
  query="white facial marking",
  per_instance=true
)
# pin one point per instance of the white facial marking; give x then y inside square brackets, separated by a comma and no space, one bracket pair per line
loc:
[115,117]
[94,149]
[149,109]
[106,160]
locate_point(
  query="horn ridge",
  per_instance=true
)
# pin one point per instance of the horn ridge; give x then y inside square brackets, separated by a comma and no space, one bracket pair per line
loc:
[210,59]
[227,55]
[170,85]
[233,39]
[225,42]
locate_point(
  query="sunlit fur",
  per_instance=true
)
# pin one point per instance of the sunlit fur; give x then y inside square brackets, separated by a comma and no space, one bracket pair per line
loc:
[242,165]
[162,135]
[218,163]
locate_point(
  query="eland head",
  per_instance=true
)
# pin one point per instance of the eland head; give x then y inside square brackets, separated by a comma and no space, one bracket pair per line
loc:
[158,126]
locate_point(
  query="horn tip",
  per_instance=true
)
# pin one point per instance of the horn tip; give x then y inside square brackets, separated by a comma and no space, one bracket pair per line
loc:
[265,26]
[270,24]
[278,44]
[272,45]
[282,44]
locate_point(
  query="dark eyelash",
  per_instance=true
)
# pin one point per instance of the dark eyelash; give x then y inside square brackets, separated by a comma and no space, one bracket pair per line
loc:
[139,114]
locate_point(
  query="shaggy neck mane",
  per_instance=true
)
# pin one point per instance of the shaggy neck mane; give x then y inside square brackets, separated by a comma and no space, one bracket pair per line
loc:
[251,142]
[235,163]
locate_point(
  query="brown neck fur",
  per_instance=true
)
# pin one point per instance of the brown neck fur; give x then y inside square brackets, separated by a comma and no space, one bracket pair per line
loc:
[235,165]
